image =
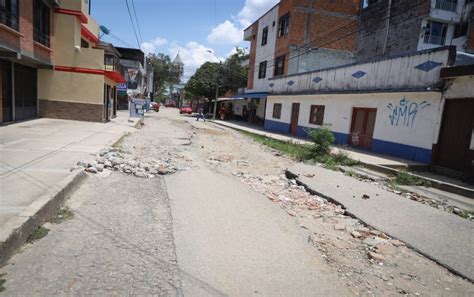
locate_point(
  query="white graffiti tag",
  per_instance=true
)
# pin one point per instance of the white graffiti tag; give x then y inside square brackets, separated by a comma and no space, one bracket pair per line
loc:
[404,114]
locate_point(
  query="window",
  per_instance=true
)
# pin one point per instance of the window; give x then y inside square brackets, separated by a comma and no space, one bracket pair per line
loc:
[264,35]
[461,29]
[279,65]
[283,25]
[84,44]
[262,69]
[435,33]
[41,22]
[9,12]
[449,5]
[316,115]
[276,111]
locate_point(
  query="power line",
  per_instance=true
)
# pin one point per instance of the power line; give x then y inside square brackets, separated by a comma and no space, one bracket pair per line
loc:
[133,24]
[137,22]
[344,28]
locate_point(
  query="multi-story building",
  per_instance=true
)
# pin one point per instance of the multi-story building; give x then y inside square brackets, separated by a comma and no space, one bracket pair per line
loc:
[296,36]
[26,45]
[392,27]
[81,85]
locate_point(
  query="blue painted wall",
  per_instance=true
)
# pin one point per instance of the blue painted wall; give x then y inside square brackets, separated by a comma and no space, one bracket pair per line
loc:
[404,151]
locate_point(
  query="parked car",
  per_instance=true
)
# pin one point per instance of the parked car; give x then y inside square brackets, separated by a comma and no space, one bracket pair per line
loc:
[170,105]
[185,109]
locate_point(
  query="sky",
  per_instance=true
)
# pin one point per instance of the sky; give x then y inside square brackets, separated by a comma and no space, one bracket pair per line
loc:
[191,27]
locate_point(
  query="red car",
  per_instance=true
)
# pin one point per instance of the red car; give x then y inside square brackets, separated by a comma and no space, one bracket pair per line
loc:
[185,109]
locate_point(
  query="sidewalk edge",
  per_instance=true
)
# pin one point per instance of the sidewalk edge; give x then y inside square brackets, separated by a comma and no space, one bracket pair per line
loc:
[36,214]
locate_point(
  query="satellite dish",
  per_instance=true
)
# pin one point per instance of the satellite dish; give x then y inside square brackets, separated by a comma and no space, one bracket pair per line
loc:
[104,29]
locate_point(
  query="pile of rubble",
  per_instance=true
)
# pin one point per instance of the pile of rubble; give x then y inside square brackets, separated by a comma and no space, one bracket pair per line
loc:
[296,201]
[112,159]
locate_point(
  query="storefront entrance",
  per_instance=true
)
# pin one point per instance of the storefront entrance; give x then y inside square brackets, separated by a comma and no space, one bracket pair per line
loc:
[362,127]
[295,113]
[26,97]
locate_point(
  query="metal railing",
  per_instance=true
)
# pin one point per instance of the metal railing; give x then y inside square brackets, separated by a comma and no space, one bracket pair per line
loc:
[9,19]
[449,5]
[41,37]
[432,39]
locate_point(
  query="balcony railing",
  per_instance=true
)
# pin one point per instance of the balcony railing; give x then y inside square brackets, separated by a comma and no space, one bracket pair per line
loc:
[432,39]
[112,63]
[449,5]
[41,37]
[9,19]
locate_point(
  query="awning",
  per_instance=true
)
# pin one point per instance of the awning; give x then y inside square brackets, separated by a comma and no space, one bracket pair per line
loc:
[256,95]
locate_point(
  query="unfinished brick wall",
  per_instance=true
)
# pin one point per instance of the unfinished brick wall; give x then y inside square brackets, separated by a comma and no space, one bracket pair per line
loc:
[252,56]
[325,24]
[387,31]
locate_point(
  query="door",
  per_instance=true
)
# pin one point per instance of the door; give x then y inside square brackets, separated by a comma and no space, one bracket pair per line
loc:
[295,113]
[26,96]
[362,127]
[457,129]
[6,91]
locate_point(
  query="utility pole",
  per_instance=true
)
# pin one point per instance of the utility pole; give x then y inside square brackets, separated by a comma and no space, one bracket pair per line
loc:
[217,84]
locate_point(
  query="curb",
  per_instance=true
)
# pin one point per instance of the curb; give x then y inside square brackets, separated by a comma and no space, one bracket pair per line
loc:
[312,191]
[19,228]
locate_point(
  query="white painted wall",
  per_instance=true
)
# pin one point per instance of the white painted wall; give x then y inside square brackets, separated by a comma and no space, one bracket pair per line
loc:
[266,52]
[391,73]
[338,114]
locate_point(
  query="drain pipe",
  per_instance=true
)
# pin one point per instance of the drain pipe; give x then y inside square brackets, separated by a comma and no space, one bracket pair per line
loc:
[388,26]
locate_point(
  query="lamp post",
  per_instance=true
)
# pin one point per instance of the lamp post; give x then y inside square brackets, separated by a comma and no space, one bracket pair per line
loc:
[217,84]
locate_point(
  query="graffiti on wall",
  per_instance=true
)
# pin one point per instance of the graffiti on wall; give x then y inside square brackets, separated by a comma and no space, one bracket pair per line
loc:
[404,113]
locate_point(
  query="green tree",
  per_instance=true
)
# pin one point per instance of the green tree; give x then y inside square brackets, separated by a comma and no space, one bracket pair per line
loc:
[229,75]
[165,72]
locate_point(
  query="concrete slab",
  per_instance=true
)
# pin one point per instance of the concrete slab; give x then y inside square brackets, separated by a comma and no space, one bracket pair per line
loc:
[36,157]
[443,237]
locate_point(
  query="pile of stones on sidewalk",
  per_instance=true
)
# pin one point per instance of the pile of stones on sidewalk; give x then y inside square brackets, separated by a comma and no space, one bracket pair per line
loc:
[114,160]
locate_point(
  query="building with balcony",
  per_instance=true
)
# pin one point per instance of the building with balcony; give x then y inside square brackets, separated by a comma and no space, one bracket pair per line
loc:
[81,84]
[26,46]
[391,27]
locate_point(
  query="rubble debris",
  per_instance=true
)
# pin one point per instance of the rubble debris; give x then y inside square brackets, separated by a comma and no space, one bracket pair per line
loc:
[376,257]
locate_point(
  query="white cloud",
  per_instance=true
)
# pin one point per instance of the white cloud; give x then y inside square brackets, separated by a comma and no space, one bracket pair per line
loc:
[152,45]
[253,9]
[225,33]
[231,32]
[193,55]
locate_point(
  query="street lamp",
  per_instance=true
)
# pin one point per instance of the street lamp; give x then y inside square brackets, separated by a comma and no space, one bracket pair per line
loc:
[217,84]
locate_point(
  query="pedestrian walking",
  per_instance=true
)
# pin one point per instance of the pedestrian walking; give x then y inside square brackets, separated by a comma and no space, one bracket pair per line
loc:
[200,115]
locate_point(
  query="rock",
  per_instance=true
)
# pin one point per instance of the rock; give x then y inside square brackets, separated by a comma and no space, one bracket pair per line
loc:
[163,170]
[457,211]
[145,166]
[356,234]
[376,257]
[140,174]
[375,232]
[73,168]
[396,242]
[382,248]
[91,170]
[100,167]
[339,227]
[107,164]
[374,240]
[104,152]
[100,160]
[83,164]
[365,197]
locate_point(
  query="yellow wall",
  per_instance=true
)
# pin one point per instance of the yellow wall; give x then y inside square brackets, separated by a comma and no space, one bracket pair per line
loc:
[78,5]
[70,86]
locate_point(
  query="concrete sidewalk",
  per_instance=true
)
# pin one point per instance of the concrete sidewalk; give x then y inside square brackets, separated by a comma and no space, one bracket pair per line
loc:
[36,157]
[443,237]
[381,163]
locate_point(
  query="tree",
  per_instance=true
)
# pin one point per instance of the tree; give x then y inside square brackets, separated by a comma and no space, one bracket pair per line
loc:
[229,75]
[165,72]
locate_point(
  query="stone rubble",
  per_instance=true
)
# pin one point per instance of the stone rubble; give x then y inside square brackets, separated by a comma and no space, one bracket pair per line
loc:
[115,160]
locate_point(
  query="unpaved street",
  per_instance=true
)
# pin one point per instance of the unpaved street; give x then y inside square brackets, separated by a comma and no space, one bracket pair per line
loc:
[225,221]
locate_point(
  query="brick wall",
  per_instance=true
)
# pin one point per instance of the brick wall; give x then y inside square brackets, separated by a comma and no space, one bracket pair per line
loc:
[252,56]
[71,111]
[385,31]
